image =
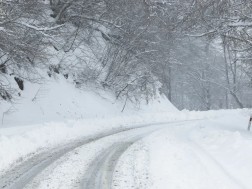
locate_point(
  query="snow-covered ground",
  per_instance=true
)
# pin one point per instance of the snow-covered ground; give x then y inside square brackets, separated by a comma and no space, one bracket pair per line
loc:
[182,149]
[212,153]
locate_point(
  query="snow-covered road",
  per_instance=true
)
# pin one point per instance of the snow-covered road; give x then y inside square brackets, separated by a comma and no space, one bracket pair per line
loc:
[91,161]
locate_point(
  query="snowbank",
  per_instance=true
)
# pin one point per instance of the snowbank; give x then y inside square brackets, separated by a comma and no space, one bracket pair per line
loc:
[16,142]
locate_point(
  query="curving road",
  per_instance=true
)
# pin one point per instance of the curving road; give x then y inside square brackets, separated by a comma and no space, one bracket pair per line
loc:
[100,169]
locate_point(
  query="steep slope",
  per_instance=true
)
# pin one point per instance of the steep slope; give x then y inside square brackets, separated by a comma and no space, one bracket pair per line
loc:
[58,99]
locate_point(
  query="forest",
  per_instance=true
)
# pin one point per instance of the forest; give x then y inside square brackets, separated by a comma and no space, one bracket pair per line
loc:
[198,53]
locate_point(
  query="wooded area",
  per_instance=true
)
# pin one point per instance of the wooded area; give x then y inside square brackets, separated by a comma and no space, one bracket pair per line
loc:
[196,52]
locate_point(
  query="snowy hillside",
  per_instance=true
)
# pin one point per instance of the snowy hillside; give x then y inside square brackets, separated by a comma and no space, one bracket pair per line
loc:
[59,99]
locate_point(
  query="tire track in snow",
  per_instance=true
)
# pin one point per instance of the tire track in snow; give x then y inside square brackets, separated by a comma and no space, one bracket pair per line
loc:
[100,174]
[20,175]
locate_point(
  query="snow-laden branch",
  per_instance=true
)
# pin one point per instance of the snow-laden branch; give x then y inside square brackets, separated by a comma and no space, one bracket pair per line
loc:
[40,28]
[241,24]
[202,34]
[245,58]
[99,20]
